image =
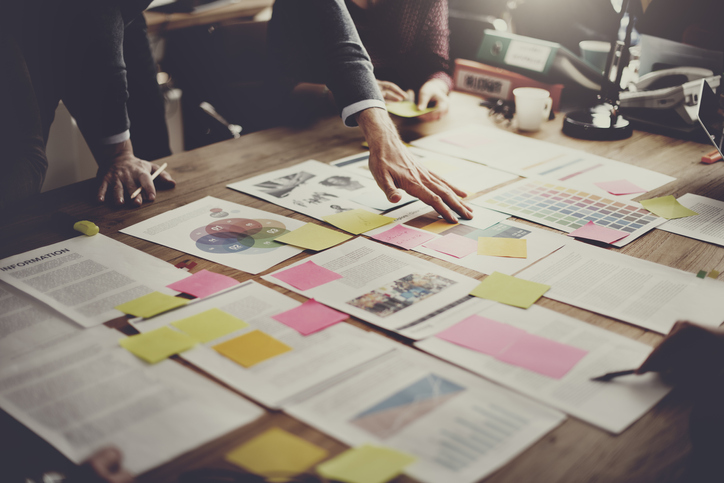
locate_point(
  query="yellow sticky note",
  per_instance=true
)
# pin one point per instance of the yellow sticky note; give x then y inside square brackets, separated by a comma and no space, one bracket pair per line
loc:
[157,345]
[407,109]
[209,325]
[503,247]
[313,237]
[510,290]
[151,304]
[667,207]
[365,464]
[357,221]
[438,226]
[252,348]
[276,453]
[713,274]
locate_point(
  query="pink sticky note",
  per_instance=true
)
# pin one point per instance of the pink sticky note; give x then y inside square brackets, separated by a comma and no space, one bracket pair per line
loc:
[310,317]
[620,187]
[542,355]
[307,275]
[482,334]
[203,283]
[454,245]
[404,237]
[466,140]
[591,231]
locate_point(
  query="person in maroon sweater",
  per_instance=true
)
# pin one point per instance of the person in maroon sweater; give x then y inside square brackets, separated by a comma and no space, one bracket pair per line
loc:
[408,42]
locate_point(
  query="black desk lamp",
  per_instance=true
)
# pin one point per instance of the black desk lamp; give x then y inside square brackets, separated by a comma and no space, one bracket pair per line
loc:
[603,122]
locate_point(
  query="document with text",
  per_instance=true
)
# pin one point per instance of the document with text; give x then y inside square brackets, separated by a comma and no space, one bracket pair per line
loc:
[460,427]
[707,226]
[84,278]
[312,360]
[86,393]
[612,406]
[636,291]
[382,286]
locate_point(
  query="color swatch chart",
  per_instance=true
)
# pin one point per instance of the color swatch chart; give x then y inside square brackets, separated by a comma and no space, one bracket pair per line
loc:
[568,209]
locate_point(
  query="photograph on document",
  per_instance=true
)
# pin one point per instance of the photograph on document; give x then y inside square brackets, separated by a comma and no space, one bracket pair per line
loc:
[282,186]
[401,293]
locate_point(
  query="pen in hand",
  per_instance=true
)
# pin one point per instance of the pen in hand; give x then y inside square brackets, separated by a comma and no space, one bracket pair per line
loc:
[612,375]
[153,176]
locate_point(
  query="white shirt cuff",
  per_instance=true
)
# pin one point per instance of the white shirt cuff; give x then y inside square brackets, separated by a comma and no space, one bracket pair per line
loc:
[116,138]
[349,111]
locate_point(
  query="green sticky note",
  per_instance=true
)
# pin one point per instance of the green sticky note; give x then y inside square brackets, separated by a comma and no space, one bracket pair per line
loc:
[151,304]
[252,348]
[365,464]
[510,290]
[276,453]
[209,325]
[407,109]
[157,345]
[313,237]
[701,274]
[503,247]
[667,207]
[357,221]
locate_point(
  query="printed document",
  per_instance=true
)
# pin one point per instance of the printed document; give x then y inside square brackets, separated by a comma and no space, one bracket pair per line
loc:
[221,231]
[612,406]
[636,291]
[313,360]
[84,278]
[707,226]
[86,393]
[460,427]
[384,286]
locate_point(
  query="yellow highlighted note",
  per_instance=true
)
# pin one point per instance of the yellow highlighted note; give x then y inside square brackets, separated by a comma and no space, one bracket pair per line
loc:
[209,325]
[151,304]
[357,221]
[313,237]
[407,109]
[252,348]
[510,290]
[667,207]
[503,247]
[276,453]
[157,345]
[438,226]
[365,464]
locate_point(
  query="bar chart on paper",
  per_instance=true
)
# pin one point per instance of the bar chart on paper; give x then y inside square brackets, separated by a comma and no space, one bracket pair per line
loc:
[568,209]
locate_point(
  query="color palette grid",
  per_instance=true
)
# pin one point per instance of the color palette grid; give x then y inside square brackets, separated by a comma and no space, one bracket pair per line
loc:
[568,209]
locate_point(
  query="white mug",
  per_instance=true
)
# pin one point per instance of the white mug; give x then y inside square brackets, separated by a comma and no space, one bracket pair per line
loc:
[532,107]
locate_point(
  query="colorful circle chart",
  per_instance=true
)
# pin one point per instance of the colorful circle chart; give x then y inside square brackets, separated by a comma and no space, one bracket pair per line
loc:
[239,235]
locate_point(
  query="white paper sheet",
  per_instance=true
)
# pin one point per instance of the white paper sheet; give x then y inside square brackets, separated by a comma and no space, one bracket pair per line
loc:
[386,287]
[612,406]
[466,175]
[87,392]
[315,358]
[460,427]
[26,323]
[636,291]
[317,190]
[84,278]
[221,231]
[529,157]
[707,226]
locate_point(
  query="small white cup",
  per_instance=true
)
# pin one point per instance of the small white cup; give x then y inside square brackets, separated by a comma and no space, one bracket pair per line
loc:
[532,107]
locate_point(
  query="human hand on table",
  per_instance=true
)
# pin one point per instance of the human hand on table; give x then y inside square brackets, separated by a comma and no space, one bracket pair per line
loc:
[435,91]
[104,466]
[691,355]
[121,173]
[394,168]
[391,92]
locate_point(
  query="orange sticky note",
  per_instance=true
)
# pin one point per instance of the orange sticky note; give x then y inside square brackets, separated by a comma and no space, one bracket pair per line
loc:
[252,348]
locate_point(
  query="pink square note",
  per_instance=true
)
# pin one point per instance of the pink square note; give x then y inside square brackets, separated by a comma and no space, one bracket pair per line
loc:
[482,334]
[203,283]
[620,187]
[310,317]
[402,236]
[591,231]
[542,355]
[307,275]
[454,245]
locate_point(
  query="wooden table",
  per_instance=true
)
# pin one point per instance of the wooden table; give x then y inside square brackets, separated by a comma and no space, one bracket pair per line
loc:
[159,22]
[654,449]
